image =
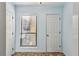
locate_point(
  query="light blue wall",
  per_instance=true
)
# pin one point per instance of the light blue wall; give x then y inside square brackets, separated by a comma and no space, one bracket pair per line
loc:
[67,30]
[40,12]
[10,7]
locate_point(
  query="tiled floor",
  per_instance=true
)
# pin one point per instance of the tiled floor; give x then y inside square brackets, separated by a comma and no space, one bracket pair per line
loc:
[39,54]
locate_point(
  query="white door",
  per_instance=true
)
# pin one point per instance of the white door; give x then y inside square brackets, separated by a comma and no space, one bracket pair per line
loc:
[8,34]
[53,40]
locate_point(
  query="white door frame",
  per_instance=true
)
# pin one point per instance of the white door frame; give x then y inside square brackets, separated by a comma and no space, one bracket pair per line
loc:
[10,49]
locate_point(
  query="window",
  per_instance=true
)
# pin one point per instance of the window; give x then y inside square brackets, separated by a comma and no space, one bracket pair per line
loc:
[28,31]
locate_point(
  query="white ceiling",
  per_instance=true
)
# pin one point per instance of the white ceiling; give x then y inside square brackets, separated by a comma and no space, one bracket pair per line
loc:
[38,3]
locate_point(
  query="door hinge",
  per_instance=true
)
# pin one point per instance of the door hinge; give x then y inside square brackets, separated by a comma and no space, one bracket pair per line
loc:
[59,32]
[47,35]
[59,46]
[59,18]
[12,17]
[12,49]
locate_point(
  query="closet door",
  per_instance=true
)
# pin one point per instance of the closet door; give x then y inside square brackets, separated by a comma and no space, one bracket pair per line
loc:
[53,33]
